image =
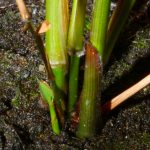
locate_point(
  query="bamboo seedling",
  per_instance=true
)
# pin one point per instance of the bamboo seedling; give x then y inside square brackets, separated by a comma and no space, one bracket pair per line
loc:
[64,40]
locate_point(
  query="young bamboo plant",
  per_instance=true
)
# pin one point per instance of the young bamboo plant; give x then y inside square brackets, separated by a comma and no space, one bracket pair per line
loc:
[65,38]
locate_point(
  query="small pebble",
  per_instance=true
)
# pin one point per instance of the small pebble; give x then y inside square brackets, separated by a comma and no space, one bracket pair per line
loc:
[41,68]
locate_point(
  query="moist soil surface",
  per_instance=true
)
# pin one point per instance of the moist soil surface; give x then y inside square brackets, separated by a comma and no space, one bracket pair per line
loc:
[25,124]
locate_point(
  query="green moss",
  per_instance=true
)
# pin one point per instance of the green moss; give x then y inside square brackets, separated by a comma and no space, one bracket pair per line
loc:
[142,39]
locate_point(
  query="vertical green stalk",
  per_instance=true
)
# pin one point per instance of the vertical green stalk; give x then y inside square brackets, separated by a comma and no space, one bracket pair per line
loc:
[75,44]
[76,27]
[73,82]
[89,115]
[116,24]
[56,39]
[99,25]
[57,15]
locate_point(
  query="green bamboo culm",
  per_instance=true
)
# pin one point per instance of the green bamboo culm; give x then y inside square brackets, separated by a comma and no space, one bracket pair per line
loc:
[90,115]
[116,24]
[99,25]
[75,44]
[73,83]
[57,16]
[48,95]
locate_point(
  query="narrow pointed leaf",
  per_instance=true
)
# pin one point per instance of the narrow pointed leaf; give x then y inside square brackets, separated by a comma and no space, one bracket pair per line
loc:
[46,92]
[48,95]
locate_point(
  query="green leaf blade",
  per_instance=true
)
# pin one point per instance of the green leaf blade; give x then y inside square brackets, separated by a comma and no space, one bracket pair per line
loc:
[48,95]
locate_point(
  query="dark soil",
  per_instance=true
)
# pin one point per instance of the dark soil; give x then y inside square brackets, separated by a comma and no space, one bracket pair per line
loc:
[24,125]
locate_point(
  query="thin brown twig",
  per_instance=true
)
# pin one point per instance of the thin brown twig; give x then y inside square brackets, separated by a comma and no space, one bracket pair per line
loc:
[23,10]
[26,17]
[41,48]
[113,103]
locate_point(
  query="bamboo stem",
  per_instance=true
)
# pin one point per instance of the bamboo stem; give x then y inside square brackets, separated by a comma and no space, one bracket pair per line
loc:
[75,44]
[73,83]
[76,27]
[113,103]
[90,116]
[57,15]
[99,25]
